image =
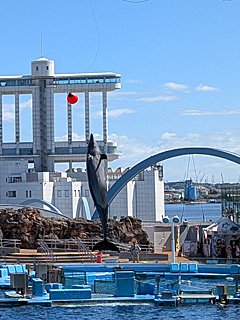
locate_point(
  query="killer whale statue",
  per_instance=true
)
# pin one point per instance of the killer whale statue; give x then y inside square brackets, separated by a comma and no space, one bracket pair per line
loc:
[97,180]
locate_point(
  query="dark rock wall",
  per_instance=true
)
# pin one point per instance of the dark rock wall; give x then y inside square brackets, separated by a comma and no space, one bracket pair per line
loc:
[28,225]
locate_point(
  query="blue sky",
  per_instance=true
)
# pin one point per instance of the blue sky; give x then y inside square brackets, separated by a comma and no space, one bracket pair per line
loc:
[180,67]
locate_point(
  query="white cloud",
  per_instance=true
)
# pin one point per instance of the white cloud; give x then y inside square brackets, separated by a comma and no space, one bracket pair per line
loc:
[201,87]
[168,135]
[112,113]
[118,112]
[118,93]
[194,112]
[121,95]
[135,151]
[133,81]
[9,109]
[176,86]
[157,99]
[26,104]
[75,137]
[8,116]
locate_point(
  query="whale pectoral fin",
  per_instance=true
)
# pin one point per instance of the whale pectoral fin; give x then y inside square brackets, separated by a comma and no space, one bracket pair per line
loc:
[103,156]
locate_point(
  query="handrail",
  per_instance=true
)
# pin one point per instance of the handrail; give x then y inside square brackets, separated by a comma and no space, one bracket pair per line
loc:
[49,253]
[10,243]
[68,243]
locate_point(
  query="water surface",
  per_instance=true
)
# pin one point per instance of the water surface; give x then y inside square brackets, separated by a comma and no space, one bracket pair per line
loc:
[194,212]
[116,312]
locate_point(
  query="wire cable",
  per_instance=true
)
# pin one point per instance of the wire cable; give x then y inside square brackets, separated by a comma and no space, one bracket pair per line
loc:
[197,181]
[98,36]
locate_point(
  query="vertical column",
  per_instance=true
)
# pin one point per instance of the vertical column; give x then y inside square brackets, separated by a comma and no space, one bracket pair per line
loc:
[50,119]
[17,127]
[35,120]
[43,126]
[69,117]
[1,133]
[70,166]
[105,128]
[87,133]
[50,124]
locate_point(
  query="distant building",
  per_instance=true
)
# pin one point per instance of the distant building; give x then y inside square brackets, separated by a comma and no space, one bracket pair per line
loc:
[190,191]
[230,198]
[203,193]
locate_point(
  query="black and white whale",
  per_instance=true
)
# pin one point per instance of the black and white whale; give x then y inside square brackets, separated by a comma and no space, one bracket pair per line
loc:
[97,180]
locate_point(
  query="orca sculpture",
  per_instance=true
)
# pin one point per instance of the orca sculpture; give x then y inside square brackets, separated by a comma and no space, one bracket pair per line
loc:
[97,180]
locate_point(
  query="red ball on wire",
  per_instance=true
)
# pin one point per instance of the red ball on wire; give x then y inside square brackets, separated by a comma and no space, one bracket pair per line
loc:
[72,98]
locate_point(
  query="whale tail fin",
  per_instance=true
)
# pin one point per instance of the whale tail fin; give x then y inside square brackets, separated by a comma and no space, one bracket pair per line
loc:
[105,245]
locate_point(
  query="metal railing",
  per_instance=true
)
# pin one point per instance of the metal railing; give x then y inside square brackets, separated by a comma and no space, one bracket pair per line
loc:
[50,257]
[72,244]
[10,243]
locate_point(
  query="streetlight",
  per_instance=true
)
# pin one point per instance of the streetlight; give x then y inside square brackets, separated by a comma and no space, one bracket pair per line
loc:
[173,220]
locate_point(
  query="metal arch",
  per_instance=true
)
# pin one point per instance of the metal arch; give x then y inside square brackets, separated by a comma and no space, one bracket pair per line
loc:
[48,204]
[130,174]
[83,201]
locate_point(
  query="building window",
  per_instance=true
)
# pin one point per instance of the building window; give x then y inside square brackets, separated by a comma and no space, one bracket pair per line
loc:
[79,193]
[11,194]
[75,193]
[47,67]
[36,68]
[26,194]
[30,194]
[59,193]
[66,193]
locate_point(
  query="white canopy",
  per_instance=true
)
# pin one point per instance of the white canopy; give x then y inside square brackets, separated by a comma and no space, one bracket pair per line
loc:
[223,226]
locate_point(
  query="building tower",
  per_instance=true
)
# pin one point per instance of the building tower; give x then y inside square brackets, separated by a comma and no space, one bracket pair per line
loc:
[42,84]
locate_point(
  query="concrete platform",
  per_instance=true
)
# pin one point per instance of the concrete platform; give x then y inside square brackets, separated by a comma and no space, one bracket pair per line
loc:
[197,298]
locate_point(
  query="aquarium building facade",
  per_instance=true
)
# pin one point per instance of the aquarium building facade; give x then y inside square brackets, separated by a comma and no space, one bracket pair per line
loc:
[28,168]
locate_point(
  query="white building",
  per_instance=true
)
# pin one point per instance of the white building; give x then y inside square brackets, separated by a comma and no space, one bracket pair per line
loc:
[42,85]
[142,197]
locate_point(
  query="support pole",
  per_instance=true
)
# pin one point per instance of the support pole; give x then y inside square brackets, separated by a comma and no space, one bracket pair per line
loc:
[87,126]
[173,241]
[17,126]
[105,127]
[69,117]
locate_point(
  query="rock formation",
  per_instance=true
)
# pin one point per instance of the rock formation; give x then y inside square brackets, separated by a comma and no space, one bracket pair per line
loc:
[28,225]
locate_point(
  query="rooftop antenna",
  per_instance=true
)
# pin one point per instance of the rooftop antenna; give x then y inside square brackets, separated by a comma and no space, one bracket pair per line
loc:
[41,46]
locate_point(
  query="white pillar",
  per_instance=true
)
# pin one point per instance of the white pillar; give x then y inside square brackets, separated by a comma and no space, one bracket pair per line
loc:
[50,119]
[36,120]
[17,126]
[1,133]
[69,117]
[87,127]
[105,127]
